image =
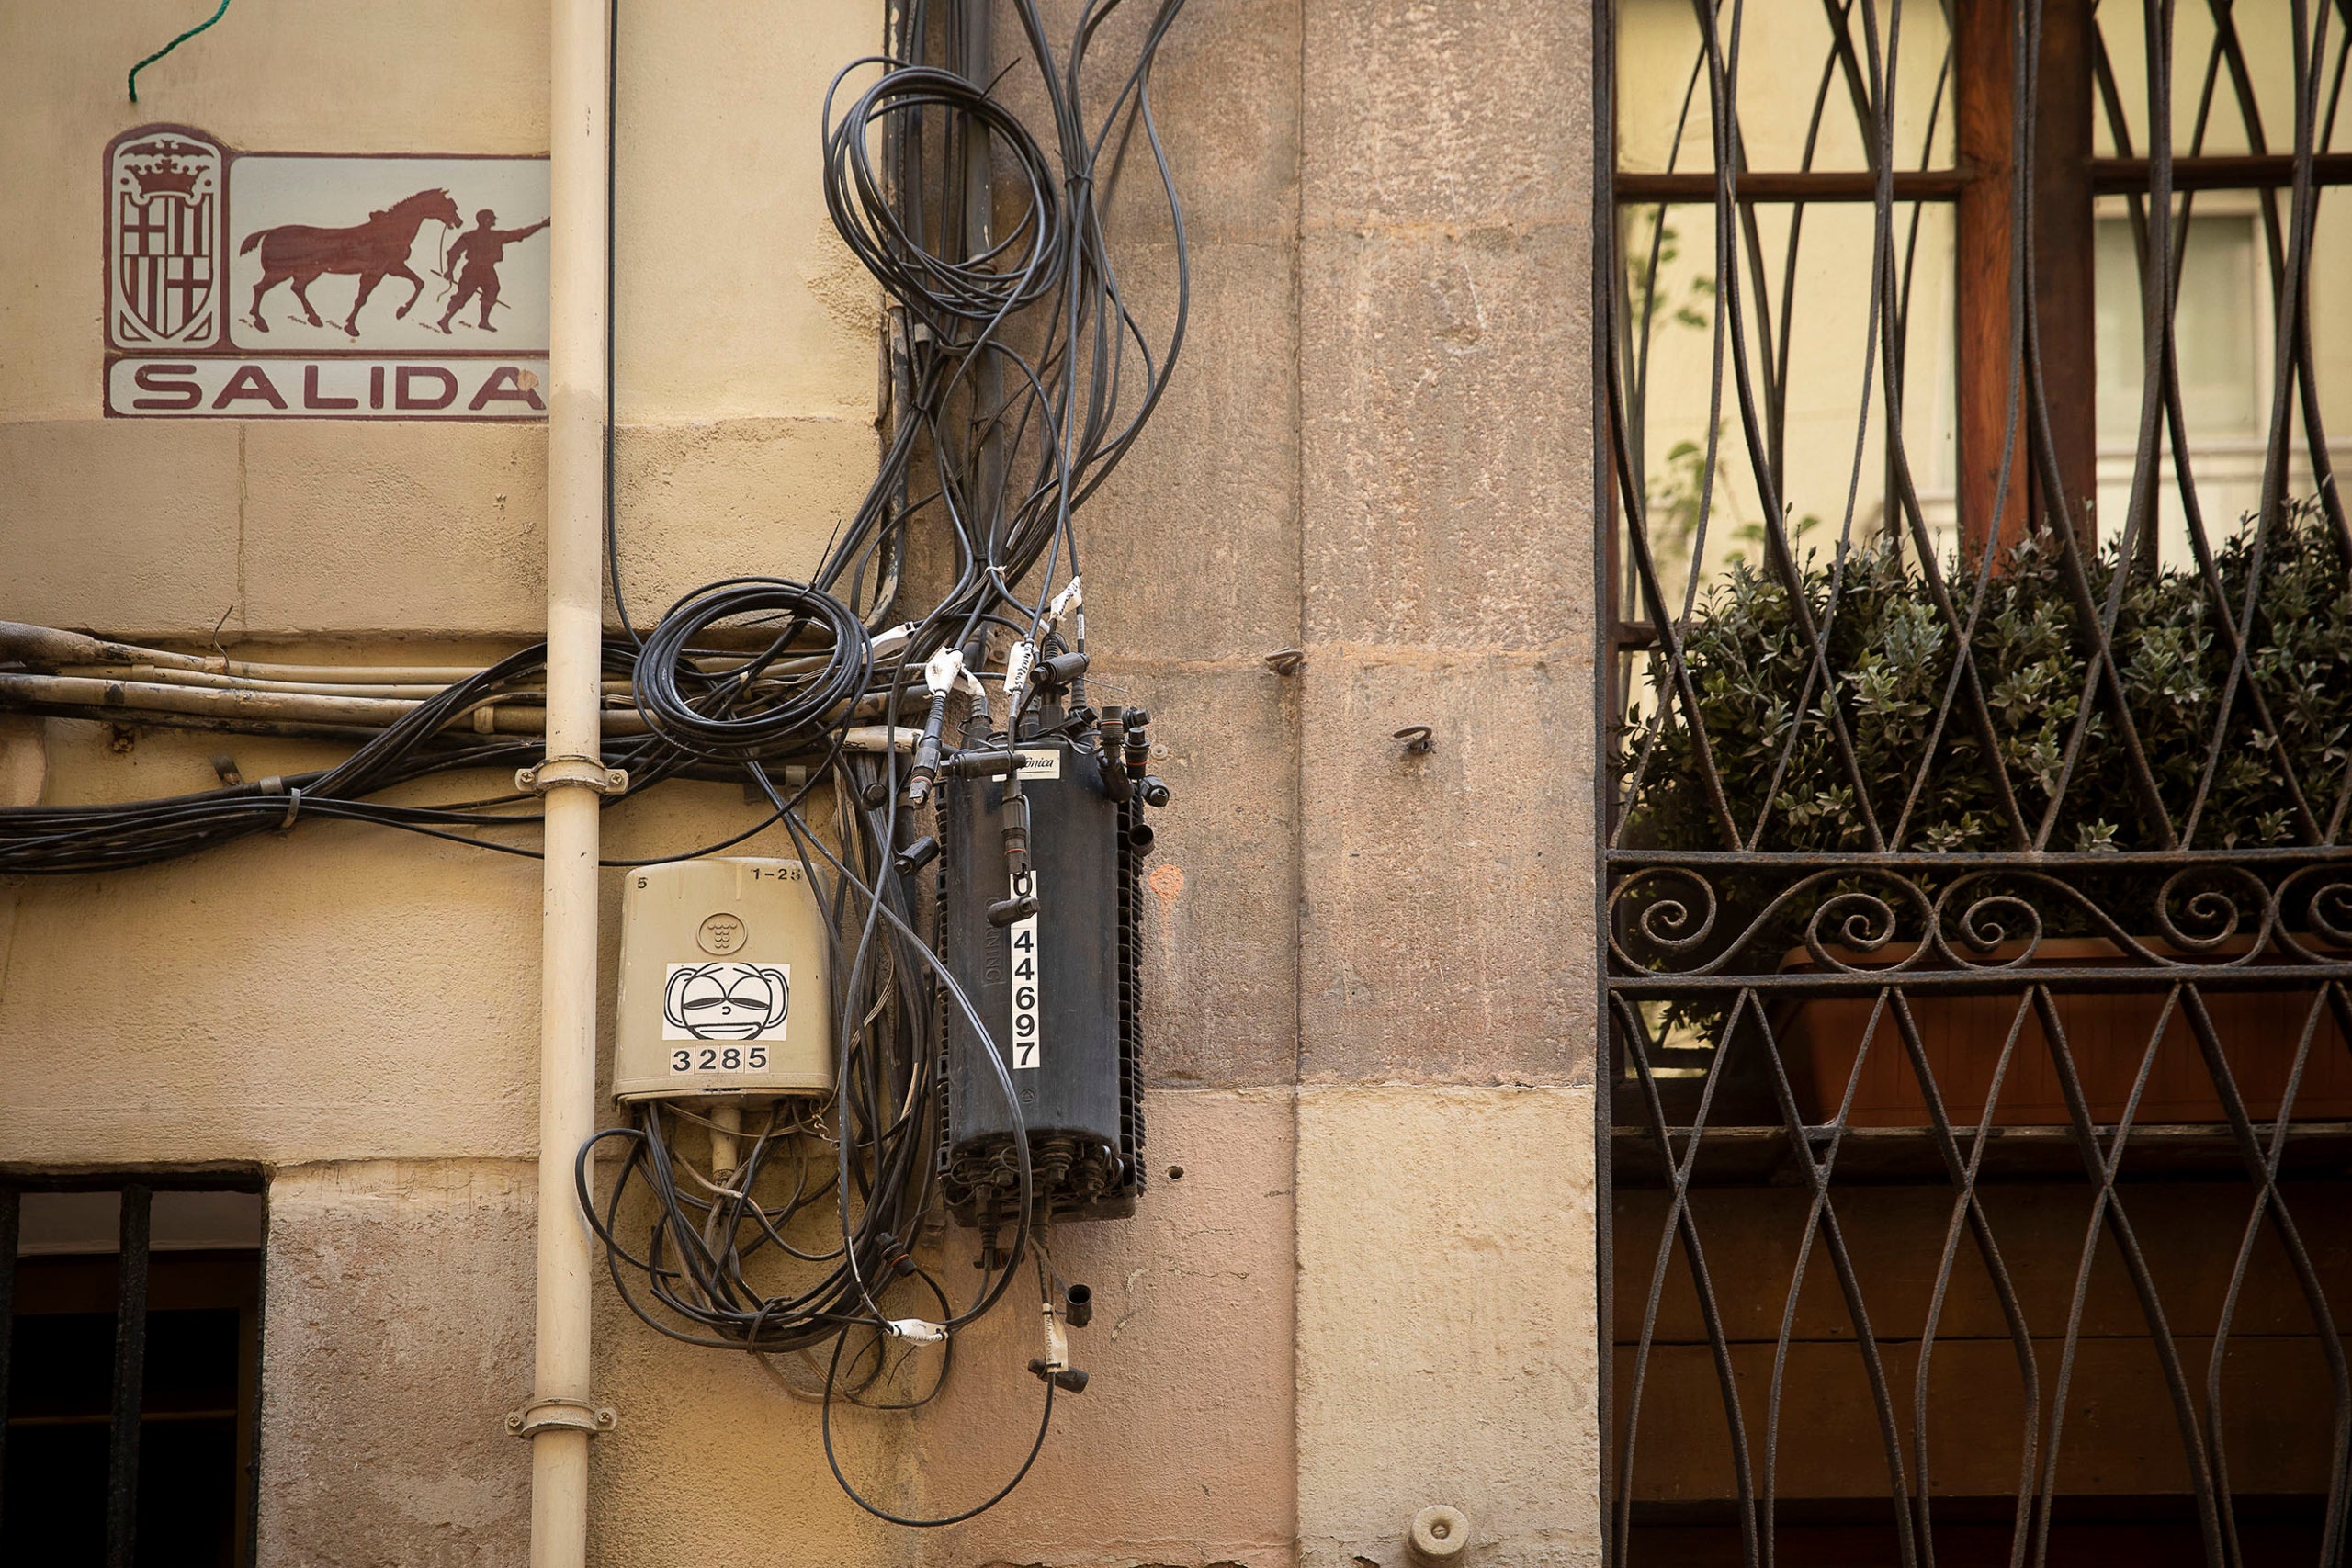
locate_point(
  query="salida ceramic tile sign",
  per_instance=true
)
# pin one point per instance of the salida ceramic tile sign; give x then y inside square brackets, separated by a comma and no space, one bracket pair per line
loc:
[304,284]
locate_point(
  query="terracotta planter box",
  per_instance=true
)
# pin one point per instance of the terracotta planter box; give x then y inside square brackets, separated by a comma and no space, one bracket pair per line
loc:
[2107,1031]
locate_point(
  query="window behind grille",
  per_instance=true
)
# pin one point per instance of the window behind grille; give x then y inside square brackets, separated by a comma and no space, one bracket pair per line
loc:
[132,1316]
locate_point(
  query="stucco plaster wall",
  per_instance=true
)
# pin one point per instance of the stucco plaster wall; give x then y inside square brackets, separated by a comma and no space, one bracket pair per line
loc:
[1369,976]
[353,1011]
[396,1305]
[745,331]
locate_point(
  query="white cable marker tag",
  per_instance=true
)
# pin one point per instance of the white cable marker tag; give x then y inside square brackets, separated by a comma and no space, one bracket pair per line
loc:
[890,641]
[1021,956]
[1056,1341]
[915,1330]
[1070,595]
[939,674]
[1017,665]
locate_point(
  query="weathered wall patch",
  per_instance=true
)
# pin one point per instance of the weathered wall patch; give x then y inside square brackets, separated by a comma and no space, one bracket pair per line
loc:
[300,285]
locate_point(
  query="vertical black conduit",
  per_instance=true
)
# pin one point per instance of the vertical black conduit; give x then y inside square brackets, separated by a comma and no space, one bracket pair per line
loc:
[129,1378]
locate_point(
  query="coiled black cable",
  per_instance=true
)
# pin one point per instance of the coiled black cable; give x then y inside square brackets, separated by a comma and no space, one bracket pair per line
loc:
[943,287]
[766,702]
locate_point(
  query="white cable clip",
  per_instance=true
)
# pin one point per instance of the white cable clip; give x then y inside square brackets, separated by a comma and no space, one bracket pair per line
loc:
[879,738]
[915,1330]
[939,672]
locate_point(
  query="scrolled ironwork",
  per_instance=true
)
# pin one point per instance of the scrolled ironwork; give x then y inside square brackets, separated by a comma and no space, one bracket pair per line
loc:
[1659,917]
[1927,920]
[1865,923]
[2214,912]
[1983,931]
[2321,895]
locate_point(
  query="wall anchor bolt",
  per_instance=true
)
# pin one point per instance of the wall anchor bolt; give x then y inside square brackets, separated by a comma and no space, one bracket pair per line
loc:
[1418,739]
[1286,661]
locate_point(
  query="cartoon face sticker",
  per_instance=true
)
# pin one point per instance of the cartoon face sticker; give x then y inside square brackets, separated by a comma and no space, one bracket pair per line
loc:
[726,1001]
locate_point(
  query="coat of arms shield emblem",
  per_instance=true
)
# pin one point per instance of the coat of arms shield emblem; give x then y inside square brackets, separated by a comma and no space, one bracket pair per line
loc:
[166,189]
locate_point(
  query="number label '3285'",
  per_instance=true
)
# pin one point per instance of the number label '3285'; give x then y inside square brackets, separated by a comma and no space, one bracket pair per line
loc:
[750,1059]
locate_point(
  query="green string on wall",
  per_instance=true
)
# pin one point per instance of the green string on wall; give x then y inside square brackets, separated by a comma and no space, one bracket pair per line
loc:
[173,45]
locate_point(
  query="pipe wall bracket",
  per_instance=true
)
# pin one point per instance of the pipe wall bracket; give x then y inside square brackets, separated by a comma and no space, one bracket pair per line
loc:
[562,1416]
[554,772]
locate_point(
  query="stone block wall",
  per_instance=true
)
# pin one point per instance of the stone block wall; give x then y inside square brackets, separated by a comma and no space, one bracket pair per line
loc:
[1370,974]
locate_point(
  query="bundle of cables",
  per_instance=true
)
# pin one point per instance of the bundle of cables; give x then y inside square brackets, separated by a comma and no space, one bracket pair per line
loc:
[1019,378]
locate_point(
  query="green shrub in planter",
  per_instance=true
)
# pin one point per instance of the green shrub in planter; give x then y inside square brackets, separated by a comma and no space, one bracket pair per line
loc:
[1892,656]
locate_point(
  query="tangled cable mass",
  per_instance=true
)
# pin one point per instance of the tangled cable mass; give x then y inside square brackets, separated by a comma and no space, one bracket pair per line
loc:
[1019,378]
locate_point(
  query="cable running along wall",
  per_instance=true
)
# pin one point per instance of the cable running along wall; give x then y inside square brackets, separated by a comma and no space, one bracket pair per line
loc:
[976,189]
[1979,667]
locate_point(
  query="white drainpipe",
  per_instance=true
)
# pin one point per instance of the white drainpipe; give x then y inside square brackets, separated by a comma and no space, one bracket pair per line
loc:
[563,1414]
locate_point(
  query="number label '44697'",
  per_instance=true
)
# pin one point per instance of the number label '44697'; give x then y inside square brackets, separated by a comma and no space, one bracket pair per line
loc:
[1023,952]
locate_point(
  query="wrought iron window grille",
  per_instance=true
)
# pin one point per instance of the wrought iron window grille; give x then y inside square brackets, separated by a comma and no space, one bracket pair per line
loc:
[1977,902]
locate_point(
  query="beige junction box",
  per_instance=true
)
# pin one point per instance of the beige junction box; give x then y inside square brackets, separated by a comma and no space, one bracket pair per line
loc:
[723,984]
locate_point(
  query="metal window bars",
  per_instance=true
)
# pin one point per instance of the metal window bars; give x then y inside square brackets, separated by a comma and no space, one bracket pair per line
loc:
[130,1358]
[131,1382]
[1978,907]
